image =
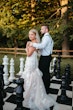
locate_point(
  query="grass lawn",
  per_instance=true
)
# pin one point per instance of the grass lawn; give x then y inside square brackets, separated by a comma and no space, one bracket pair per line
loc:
[64,62]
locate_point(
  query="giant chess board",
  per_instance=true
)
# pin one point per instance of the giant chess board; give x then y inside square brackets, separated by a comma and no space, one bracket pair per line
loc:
[55,92]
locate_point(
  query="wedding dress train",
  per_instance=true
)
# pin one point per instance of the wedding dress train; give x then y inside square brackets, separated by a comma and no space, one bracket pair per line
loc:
[35,96]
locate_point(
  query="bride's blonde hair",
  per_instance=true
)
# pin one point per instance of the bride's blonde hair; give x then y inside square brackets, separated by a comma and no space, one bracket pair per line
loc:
[36,33]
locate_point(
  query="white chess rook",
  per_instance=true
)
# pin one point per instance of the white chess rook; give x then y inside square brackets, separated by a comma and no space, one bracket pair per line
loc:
[12,77]
[21,66]
[5,75]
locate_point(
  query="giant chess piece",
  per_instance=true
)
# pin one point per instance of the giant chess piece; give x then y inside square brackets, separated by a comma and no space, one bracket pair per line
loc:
[52,65]
[67,75]
[11,77]
[5,63]
[21,66]
[58,67]
[63,98]
[2,80]
[63,89]
[69,71]
[1,90]
[55,67]
[19,93]
[1,97]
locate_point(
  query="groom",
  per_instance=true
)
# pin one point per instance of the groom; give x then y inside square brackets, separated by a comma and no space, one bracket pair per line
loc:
[46,47]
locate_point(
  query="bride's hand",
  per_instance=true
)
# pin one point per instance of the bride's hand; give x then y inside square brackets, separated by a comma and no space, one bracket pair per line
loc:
[29,44]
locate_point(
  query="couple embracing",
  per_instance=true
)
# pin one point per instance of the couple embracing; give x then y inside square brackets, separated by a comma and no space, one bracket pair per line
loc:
[36,75]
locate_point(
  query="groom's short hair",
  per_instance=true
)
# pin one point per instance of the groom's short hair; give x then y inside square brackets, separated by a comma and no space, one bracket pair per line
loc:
[47,26]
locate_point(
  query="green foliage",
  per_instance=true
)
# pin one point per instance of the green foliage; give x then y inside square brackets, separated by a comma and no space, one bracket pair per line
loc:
[16,20]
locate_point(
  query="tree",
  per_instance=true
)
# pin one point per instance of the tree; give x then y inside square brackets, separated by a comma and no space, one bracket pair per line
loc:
[18,16]
[64,15]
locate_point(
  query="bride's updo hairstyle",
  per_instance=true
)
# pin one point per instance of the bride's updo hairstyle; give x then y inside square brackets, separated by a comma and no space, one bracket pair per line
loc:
[36,33]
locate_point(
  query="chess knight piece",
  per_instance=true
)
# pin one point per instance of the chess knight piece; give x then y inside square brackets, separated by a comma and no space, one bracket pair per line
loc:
[19,93]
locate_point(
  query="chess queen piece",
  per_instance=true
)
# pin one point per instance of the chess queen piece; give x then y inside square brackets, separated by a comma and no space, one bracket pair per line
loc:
[5,63]
[12,77]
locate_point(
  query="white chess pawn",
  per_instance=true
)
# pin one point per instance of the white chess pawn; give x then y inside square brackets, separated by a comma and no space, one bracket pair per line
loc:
[21,66]
[5,75]
[11,78]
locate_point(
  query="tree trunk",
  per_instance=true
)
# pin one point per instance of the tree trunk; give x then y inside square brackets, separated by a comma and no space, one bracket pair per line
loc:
[15,43]
[64,15]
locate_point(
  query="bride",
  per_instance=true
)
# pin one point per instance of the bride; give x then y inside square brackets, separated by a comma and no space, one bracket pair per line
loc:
[35,96]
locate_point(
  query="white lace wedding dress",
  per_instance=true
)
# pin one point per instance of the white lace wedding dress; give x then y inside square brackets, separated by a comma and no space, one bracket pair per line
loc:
[35,96]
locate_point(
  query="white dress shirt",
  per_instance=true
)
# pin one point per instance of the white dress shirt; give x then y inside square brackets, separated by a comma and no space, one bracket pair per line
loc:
[46,45]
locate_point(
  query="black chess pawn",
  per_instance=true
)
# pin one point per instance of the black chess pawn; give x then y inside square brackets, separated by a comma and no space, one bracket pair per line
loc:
[68,72]
[2,79]
[19,93]
[63,98]
[63,89]
[67,76]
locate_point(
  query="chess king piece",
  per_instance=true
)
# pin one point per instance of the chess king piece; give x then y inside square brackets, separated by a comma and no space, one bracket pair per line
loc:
[12,77]
[19,93]
[5,63]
